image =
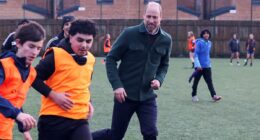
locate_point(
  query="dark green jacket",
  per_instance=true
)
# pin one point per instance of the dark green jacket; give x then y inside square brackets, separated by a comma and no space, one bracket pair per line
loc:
[141,61]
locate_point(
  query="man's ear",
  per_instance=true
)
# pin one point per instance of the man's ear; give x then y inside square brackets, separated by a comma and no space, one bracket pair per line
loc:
[18,43]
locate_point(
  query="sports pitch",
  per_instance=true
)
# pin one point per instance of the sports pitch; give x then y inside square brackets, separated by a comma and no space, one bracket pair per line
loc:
[236,117]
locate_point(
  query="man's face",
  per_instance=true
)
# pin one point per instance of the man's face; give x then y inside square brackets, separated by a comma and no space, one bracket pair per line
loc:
[206,35]
[81,43]
[29,50]
[66,28]
[152,18]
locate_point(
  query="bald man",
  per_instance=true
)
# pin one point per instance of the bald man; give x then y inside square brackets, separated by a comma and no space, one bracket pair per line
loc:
[144,51]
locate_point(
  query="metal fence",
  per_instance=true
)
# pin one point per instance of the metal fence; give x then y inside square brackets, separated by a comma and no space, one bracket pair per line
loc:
[221,33]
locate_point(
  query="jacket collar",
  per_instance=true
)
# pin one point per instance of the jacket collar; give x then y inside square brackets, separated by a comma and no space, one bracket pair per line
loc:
[65,44]
[19,61]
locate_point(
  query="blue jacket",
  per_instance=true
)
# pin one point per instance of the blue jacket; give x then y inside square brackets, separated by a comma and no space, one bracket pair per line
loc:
[202,53]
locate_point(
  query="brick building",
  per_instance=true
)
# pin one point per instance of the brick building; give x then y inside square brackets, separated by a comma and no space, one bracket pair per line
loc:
[133,9]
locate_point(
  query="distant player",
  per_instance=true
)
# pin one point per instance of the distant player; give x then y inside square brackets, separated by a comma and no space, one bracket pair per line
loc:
[107,46]
[191,46]
[234,48]
[9,43]
[250,48]
[66,23]
[203,65]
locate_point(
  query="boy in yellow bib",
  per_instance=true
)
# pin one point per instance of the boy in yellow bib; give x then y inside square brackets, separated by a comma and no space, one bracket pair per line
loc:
[67,70]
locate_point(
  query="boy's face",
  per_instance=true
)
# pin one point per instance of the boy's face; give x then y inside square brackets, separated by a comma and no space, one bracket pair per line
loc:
[66,28]
[29,50]
[206,35]
[81,43]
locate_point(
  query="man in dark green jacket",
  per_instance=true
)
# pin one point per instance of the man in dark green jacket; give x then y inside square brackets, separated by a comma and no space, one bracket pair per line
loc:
[144,51]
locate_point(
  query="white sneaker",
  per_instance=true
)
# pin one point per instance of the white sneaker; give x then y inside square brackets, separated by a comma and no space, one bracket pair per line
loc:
[231,64]
[195,99]
[238,64]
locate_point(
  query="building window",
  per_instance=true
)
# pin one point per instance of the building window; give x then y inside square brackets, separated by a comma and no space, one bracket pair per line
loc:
[105,1]
[3,1]
[146,1]
[255,2]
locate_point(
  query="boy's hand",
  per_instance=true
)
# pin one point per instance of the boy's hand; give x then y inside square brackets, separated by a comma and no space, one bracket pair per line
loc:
[27,120]
[62,100]
[91,111]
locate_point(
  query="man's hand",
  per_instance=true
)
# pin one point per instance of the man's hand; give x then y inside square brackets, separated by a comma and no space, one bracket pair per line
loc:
[91,111]
[155,84]
[27,135]
[62,100]
[27,120]
[120,94]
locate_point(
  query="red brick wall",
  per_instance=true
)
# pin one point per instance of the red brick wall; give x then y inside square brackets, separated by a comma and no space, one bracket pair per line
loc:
[125,9]
[12,9]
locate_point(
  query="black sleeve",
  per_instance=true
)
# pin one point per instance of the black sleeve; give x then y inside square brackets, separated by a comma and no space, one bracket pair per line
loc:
[19,124]
[247,42]
[230,43]
[52,42]
[45,69]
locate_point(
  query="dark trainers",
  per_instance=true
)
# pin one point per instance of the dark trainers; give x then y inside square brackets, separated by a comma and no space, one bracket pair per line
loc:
[216,98]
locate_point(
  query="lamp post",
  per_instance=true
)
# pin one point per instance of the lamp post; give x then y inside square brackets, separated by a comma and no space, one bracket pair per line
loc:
[139,10]
[177,22]
[24,10]
[251,15]
[214,29]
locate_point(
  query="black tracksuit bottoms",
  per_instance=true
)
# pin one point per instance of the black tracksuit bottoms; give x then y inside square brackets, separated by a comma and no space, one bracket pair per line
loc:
[206,73]
[60,128]
[122,113]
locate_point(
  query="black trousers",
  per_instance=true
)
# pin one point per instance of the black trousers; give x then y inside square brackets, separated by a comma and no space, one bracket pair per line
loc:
[122,113]
[206,73]
[60,128]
